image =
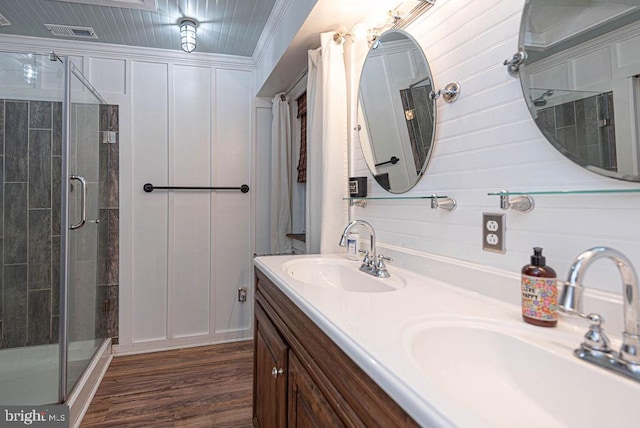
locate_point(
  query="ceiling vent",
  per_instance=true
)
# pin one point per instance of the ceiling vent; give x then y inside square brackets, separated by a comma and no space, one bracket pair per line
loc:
[4,21]
[127,4]
[71,31]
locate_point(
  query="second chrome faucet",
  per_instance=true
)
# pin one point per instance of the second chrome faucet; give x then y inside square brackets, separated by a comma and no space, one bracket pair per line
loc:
[595,348]
[372,263]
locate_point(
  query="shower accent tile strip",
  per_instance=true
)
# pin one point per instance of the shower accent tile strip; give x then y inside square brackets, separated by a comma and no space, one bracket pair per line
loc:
[108,230]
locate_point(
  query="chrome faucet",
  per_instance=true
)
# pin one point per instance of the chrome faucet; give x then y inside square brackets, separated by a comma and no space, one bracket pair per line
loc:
[372,264]
[627,361]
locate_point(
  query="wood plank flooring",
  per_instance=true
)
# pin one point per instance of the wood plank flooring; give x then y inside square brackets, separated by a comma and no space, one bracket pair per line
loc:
[208,386]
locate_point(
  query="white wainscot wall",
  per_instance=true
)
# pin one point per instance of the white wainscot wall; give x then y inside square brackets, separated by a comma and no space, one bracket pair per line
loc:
[487,141]
[185,120]
[191,249]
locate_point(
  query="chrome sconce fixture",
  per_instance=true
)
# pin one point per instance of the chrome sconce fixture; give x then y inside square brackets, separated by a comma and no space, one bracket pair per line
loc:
[188,27]
[522,203]
[449,94]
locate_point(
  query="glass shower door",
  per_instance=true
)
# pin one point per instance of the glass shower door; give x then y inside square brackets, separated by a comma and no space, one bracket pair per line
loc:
[31,92]
[84,313]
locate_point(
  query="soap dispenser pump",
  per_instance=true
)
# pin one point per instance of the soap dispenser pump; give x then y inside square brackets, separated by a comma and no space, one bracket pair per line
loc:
[539,292]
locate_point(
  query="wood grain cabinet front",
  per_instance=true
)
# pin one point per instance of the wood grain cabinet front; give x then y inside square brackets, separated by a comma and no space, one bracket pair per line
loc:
[303,379]
[269,374]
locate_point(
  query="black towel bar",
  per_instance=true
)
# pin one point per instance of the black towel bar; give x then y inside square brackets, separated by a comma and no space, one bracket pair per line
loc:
[394,160]
[148,187]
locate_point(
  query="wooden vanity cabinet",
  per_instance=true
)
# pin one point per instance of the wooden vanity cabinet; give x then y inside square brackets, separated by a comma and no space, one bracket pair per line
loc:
[269,374]
[303,379]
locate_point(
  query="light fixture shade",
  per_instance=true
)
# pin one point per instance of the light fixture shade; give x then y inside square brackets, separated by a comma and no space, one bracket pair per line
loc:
[188,34]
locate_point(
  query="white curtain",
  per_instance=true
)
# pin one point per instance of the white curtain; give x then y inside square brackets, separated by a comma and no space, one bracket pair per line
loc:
[326,211]
[280,175]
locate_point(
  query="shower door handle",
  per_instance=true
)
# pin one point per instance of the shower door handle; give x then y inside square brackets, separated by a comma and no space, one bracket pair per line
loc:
[83,202]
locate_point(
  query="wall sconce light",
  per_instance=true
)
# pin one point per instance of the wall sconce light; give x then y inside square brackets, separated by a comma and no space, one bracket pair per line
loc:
[188,28]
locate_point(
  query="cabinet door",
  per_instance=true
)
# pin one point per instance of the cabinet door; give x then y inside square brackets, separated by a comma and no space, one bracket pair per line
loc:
[270,374]
[307,405]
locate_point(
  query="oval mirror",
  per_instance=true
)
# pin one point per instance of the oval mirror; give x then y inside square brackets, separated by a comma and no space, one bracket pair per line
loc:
[580,80]
[396,116]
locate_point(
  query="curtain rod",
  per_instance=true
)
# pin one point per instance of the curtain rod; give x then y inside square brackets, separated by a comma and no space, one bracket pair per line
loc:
[302,76]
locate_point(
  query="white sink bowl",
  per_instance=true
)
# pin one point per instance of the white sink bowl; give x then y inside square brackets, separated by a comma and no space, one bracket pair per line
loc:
[339,274]
[503,374]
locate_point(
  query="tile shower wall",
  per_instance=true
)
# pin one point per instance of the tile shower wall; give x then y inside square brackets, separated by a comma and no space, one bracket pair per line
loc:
[108,235]
[30,182]
[584,128]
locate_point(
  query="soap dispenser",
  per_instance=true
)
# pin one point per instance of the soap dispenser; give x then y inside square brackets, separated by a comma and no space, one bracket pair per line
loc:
[539,292]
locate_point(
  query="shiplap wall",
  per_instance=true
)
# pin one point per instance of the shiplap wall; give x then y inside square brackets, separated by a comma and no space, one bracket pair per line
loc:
[486,141]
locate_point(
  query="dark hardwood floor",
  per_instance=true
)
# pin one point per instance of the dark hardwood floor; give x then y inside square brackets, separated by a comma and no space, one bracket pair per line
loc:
[208,386]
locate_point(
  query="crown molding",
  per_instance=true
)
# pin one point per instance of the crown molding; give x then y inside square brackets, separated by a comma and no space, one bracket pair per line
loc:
[39,45]
[273,23]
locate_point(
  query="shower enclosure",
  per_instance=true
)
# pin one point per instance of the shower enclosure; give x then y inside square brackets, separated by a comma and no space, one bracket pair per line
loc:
[52,169]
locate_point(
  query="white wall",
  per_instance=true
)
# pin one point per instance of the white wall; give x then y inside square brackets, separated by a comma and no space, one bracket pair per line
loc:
[486,141]
[184,120]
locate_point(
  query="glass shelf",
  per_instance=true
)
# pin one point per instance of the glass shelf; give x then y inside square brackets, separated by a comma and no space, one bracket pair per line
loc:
[566,192]
[370,198]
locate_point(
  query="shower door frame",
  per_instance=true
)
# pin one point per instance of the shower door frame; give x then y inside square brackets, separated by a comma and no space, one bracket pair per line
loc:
[70,71]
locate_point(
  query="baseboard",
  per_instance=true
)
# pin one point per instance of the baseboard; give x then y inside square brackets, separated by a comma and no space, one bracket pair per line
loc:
[182,342]
[81,396]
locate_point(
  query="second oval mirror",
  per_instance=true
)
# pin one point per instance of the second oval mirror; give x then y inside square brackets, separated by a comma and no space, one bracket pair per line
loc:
[396,116]
[580,80]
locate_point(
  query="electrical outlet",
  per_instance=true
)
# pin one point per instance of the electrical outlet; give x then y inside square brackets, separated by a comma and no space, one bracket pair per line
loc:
[493,232]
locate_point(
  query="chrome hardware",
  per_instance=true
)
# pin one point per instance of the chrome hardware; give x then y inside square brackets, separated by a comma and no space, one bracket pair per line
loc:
[242,294]
[366,261]
[369,264]
[53,57]
[362,203]
[449,94]
[596,349]
[275,372]
[381,268]
[83,202]
[595,339]
[523,203]
[513,64]
[448,204]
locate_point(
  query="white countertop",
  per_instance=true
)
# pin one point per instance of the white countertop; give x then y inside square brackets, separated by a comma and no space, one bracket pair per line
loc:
[372,329]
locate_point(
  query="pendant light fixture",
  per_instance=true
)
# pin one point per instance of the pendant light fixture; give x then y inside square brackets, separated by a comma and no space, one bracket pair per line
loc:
[188,28]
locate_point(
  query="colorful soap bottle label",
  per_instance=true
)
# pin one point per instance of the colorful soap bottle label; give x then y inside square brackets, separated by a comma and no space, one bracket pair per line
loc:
[539,298]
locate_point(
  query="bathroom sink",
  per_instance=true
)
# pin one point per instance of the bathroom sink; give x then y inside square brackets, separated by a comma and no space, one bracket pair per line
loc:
[498,373]
[339,274]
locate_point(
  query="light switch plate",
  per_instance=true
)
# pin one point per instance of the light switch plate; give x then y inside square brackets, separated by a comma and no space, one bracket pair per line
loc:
[494,232]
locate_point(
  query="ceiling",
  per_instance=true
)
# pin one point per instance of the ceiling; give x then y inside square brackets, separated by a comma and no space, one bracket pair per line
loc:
[231,27]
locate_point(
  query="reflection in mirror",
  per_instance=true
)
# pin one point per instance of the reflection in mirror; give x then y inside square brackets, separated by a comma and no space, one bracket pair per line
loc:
[580,80]
[396,116]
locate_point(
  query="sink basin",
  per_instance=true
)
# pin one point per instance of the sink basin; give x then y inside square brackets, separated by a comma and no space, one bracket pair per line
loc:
[340,274]
[504,374]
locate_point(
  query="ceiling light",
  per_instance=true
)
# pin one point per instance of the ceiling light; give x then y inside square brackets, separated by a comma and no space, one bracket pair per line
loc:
[188,34]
